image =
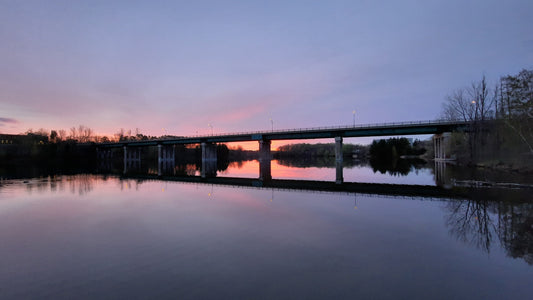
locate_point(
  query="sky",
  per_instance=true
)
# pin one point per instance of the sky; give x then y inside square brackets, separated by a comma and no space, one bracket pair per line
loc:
[177,67]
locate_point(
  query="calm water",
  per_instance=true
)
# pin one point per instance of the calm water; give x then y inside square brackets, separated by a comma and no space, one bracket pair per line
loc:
[109,236]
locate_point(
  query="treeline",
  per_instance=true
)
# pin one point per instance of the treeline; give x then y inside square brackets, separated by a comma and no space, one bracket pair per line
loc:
[320,150]
[507,139]
[394,148]
[84,134]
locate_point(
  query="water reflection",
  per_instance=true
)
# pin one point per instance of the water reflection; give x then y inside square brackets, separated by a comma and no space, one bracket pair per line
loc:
[477,218]
[121,236]
[399,167]
[478,222]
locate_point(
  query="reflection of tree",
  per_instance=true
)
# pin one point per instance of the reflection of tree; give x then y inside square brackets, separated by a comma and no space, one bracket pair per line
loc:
[316,162]
[83,183]
[516,231]
[476,222]
[396,167]
[470,223]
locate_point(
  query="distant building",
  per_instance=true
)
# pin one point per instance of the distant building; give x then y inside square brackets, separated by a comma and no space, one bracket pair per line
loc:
[19,139]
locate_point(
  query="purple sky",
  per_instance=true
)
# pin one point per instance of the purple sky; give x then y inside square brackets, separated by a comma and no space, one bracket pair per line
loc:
[181,65]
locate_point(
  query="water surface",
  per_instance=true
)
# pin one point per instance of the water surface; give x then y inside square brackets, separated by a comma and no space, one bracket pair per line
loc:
[110,236]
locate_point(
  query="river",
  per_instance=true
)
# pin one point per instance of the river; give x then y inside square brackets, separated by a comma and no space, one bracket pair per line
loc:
[100,234]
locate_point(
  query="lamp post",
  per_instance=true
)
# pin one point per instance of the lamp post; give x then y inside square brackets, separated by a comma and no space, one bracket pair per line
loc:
[272,122]
[353,112]
[475,112]
[210,125]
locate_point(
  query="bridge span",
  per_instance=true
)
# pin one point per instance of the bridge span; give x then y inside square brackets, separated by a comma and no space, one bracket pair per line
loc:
[264,138]
[366,130]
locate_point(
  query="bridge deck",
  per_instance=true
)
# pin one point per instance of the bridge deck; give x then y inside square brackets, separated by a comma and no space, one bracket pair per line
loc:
[385,129]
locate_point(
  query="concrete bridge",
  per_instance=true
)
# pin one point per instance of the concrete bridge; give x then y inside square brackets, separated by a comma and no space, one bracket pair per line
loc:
[264,138]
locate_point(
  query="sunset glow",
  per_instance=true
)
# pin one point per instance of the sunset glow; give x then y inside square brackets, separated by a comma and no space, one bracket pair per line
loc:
[247,66]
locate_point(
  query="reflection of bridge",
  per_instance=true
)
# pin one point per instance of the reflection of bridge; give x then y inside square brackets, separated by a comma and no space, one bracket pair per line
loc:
[426,191]
[209,154]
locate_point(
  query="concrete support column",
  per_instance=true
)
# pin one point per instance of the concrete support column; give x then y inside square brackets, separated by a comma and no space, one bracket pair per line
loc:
[165,158]
[132,158]
[209,159]
[265,159]
[443,140]
[338,160]
[209,152]
[440,144]
[125,159]
[439,147]
[435,147]
[264,149]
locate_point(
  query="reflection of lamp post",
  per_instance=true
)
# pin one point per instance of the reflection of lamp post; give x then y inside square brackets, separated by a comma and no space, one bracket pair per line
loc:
[210,125]
[210,193]
[353,112]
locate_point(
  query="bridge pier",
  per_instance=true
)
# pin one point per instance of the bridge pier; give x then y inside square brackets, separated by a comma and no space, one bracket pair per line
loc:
[104,159]
[209,159]
[165,158]
[103,154]
[338,160]
[441,144]
[265,159]
[132,158]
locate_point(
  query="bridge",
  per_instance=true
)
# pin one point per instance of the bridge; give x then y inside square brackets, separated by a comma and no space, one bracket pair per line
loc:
[264,138]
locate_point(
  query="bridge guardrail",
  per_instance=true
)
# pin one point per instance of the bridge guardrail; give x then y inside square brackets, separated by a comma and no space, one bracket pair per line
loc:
[359,126]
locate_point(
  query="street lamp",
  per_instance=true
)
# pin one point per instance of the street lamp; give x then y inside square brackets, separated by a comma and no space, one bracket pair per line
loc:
[210,125]
[272,122]
[353,112]
[475,112]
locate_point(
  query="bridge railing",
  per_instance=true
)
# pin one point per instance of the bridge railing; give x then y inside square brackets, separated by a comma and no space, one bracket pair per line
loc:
[358,126]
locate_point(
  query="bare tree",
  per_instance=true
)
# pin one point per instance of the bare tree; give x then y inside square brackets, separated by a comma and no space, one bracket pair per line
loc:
[119,136]
[458,106]
[483,100]
[62,134]
[474,103]
[73,133]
